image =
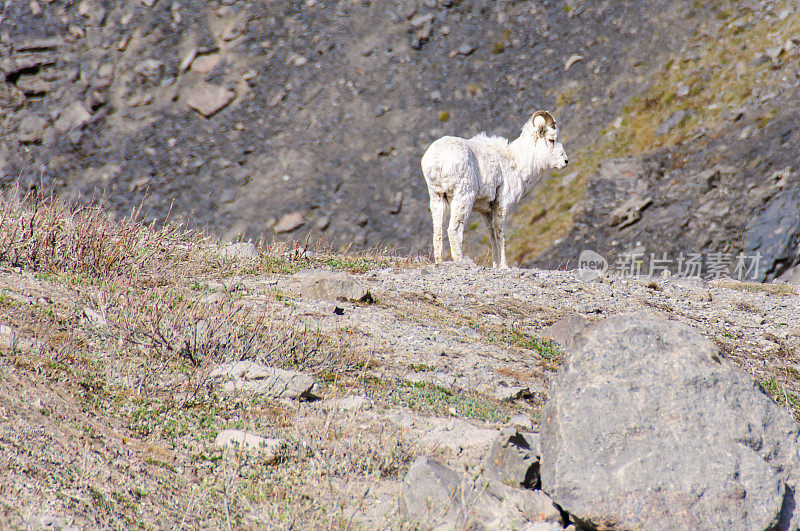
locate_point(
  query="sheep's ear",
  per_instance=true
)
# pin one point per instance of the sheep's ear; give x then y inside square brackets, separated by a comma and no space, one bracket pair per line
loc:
[541,130]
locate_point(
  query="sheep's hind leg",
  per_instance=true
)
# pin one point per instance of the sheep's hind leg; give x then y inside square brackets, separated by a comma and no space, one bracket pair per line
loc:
[499,231]
[487,216]
[459,211]
[438,206]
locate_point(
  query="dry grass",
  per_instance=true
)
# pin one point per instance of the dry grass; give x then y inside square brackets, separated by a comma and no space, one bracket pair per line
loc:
[113,332]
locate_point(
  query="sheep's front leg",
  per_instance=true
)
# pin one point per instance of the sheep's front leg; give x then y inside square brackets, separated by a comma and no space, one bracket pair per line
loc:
[499,230]
[438,206]
[488,217]
[460,207]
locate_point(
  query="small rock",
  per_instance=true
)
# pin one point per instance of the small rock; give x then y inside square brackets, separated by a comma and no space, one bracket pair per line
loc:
[240,250]
[105,71]
[243,440]
[774,53]
[354,403]
[323,223]
[265,380]
[429,493]
[574,58]
[150,69]
[207,99]
[31,129]
[289,222]
[565,330]
[296,59]
[630,212]
[94,318]
[671,122]
[205,63]
[187,60]
[338,286]
[277,97]
[396,203]
[507,394]
[73,117]
[466,49]
[38,44]
[514,458]
[568,179]
[520,422]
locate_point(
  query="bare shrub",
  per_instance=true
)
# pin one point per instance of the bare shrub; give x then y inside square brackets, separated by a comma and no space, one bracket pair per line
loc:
[42,233]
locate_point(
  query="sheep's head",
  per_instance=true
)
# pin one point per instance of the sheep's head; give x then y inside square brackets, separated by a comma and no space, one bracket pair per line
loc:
[545,132]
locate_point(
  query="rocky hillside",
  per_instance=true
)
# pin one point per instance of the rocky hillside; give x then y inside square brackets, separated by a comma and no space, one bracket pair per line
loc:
[702,161]
[288,119]
[155,377]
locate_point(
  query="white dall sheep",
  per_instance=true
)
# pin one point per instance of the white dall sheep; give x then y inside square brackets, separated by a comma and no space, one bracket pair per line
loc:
[488,174]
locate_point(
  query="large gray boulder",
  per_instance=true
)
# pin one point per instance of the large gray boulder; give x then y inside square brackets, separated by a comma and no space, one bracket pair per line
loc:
[647,427]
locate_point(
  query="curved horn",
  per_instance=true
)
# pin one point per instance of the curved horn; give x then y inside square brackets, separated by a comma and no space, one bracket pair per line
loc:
[547,118]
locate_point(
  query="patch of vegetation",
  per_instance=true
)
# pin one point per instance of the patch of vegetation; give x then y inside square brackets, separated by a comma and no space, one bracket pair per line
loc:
[433,399]
[782,396]
[547,349]
[421,367]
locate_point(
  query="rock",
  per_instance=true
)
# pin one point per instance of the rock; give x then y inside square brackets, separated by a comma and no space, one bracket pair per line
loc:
[32,85]
[31,129]
[492,504]
[323,223]
[289,222]
[73,117]
[458,438]
[354,403]
[271,449]
[439,498]
[150,69]
[396,203]
[205,63]
[574,58]
[569,178]
[335,286]
[507,394]
[39,44]
[21,62]
[774,237]
[240,250]
[95,318]
[683,437]
[429,494]
[514,459]
[521,422]
[187,60]
[207,99]
[630,212]
[264,380]
[45,522]
[671,122]
[565,330]
[466,49]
